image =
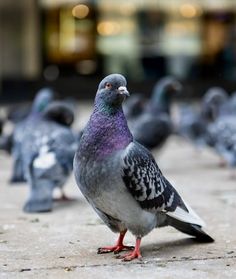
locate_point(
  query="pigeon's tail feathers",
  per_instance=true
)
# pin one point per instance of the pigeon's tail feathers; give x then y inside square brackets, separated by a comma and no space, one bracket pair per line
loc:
[187,216]
[190,229]
[187,221]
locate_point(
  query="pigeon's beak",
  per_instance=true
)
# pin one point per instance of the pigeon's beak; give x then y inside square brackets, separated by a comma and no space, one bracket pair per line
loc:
[123,91]
[178,87]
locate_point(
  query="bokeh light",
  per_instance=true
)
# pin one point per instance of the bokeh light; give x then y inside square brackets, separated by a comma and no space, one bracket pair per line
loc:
[188,10]
[80,11]
[107,28]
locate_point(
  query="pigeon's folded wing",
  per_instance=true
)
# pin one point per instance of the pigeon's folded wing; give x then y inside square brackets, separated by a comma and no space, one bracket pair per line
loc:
[146,183]
[151,189]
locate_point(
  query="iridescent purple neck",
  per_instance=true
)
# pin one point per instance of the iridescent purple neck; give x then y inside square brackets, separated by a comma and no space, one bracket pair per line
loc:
[105,134]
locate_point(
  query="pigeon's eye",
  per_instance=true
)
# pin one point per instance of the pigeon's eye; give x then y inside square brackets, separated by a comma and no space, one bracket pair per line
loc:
[108,85]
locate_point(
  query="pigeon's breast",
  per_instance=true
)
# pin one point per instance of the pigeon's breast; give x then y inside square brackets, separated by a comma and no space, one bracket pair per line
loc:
[95,176]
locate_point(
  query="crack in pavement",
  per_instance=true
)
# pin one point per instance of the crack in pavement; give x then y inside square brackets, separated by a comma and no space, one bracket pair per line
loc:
[140,262]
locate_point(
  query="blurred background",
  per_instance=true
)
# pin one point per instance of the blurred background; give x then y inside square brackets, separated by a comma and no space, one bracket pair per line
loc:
[69,45]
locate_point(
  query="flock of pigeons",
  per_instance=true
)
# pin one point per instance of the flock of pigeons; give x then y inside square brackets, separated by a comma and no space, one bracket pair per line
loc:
[113,164]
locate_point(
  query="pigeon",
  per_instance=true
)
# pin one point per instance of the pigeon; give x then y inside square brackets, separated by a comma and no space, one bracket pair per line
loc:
[25,127]
[154,125]
[191,125]
[214,103]
[163,92]
[220,119]
[48,153]
[134,106]
[221,135]
[121,179]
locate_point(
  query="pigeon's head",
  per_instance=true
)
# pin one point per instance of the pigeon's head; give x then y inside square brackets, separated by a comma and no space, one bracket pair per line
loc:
[163,92]
[212,102]
[42,99]
[166,86]
[111,92]
[59,112]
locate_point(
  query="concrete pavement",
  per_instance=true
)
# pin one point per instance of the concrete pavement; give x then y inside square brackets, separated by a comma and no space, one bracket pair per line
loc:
[63,243]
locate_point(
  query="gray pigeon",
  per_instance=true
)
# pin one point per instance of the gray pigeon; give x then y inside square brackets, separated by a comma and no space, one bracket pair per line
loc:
[194,124]
[23,128]
[214,103]
[221,123]
[154,125]
[120,178]
[191,125]
[48,154]
[163,92]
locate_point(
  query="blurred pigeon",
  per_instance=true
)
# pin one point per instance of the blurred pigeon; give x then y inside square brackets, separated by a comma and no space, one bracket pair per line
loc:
[134,106]
[214,103]
[163,92]
[221,135]
[154,125]
[192,125]
[24,128]
[120,178]
[48,153]
[19,112]
[221,131]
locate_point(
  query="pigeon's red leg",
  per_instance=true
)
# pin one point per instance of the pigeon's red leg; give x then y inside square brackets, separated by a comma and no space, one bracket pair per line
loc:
[116,248]
[135,254]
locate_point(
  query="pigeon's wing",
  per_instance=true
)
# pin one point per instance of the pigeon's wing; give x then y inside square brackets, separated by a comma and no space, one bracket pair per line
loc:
[145,181]
[150,188]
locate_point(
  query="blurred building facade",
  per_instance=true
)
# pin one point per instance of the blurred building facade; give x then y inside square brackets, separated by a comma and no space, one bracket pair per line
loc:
[66,42]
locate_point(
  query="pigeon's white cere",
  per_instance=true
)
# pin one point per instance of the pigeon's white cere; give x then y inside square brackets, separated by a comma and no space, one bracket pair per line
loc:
[122,89]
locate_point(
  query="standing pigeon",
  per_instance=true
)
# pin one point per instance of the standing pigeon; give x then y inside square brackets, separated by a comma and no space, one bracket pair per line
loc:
[25,127]
[221,131]
[193,123]
[120,178]
[48,154]
[154,125]
[214,103]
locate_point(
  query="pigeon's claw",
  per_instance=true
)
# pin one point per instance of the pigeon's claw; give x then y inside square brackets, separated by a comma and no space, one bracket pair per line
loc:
[131,256]
[135,254]
[116,249]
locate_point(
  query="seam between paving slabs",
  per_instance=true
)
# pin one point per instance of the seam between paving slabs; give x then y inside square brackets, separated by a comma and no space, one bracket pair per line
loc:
[72,267]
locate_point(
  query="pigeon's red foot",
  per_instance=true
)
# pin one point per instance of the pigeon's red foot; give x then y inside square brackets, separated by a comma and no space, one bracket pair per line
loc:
[134,254]
[131,256]
[116,249]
